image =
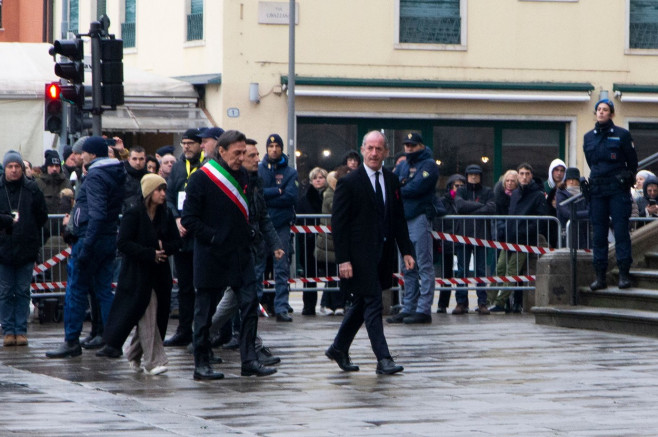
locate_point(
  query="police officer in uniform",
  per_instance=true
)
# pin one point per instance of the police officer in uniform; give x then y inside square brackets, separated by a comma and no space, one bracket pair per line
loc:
[611,156]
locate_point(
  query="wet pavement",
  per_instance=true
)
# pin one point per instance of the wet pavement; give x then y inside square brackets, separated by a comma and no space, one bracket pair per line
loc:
[498,375]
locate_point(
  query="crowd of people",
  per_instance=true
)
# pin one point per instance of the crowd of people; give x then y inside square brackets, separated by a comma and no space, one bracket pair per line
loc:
[213,217]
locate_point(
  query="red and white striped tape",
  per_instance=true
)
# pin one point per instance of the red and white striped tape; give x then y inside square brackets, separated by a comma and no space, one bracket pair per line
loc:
[52,261]
[484,280]
[305,229]
[512,247]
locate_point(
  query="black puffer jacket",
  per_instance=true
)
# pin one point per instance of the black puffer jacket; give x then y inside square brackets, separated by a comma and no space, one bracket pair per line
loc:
[475,199]
[526,200]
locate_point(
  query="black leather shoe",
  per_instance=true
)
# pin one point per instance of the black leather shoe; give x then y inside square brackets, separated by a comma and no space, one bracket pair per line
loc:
[417,318]
[87,339]
[398,318]
[441,310]
[95,343]
[386,366]
[67,349]
[308,311]
[342,359]
[266,358]
[205,373]
[234,343]
[283,317]
[256,368]
[178,339]
[109,352]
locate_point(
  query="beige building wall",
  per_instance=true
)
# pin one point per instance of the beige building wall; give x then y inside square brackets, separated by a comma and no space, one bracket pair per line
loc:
[506,41]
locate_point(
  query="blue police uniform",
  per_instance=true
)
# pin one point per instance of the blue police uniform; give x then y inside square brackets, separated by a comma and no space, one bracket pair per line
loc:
[611,156]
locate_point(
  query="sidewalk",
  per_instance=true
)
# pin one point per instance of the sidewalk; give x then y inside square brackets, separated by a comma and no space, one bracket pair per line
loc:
[498,375]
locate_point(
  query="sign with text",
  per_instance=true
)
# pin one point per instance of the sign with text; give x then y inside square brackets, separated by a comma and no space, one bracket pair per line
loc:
[276,12]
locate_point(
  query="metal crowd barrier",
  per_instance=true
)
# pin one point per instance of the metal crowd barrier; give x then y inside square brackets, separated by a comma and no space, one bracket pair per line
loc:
[473,251]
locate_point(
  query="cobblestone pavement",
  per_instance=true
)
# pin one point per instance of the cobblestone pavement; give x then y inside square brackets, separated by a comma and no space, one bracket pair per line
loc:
[499,375]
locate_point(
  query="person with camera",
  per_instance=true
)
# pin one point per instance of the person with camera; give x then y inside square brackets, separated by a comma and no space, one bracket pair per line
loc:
[611,156]
[647,204]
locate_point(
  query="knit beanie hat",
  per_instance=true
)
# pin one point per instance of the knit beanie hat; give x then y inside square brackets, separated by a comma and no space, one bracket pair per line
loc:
[66,152]
[77,146]
[96,146]
[13,156]
[276,139]
[150,182]
[52,158]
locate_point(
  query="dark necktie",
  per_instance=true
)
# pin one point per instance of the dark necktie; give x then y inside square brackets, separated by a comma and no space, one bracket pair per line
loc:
[380,195]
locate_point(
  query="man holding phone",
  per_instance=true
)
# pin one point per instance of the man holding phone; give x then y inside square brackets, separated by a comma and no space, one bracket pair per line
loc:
[647,205]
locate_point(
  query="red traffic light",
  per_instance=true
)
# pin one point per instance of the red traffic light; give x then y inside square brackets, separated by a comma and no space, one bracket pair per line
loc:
[53,91]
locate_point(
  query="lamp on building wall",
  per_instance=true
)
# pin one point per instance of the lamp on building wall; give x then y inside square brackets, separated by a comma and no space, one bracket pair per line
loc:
[254,95]
[603,95]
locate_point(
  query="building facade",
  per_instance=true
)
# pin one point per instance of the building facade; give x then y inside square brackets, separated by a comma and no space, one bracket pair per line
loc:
[493,83]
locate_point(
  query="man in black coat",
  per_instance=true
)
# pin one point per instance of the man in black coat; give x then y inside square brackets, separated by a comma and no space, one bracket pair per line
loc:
[189,162]
[367,220]
[216,213]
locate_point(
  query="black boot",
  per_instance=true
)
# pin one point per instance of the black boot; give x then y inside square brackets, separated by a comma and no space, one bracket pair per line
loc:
[67,349]
[624,276]
[600,282]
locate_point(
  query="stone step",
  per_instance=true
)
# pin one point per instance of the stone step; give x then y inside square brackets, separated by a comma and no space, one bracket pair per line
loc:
[645,278]
[617,320]
[651,259]
[632,298]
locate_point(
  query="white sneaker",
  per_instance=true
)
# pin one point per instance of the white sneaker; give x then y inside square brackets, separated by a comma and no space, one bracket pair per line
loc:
[326,311]
[156,370]
[339,312]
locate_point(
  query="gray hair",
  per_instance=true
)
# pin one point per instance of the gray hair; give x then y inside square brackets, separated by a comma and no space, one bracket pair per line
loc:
[316,171]
[365,137]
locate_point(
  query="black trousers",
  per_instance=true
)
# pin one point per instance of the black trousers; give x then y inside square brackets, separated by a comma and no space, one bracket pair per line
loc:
[366,309]
[205,306]
[185,270]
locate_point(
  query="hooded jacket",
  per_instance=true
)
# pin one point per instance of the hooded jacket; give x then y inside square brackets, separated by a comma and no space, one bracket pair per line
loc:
[643,202]
[51,185]
[99,201]
[418,175]
[549,184]
[280,189]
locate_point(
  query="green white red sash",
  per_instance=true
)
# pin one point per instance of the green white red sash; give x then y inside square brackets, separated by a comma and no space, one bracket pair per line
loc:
[227,183]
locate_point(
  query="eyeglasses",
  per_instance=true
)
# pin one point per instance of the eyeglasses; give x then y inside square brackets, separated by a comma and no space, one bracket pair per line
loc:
[187,143]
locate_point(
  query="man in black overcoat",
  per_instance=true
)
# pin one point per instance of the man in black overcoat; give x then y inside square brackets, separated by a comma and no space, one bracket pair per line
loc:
[367,221]
[216,213]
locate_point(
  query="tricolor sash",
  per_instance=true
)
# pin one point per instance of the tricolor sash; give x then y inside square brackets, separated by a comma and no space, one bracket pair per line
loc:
[227,183]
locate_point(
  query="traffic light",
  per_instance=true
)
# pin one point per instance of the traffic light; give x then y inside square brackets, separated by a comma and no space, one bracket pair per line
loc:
[79,120]
[52,119]
[112,72]
[72,70]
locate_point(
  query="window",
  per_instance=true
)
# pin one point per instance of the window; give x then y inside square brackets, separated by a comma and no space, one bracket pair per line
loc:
[431,21]
[128,25]
[195,20]
[101,8]
[643,24]
[0,14]
[645,138]
[73,16]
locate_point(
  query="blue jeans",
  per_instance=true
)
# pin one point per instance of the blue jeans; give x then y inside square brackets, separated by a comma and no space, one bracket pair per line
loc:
[281,271]
[419,281]
[15,297]
[464,253]
[95,272]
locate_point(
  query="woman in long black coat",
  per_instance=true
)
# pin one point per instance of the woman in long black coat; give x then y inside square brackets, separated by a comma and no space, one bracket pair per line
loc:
[147,236]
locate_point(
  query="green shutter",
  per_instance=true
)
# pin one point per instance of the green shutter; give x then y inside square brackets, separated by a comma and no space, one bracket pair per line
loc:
[430,21]
[643,24]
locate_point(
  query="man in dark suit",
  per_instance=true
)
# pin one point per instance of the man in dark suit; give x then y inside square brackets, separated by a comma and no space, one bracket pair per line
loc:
[367,220]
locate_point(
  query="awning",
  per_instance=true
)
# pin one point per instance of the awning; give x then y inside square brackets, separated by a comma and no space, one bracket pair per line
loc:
[202,79]
[633,93]
[441,90]
[154,118]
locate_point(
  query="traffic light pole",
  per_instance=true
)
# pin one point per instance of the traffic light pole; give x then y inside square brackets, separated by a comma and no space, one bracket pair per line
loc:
[96,93]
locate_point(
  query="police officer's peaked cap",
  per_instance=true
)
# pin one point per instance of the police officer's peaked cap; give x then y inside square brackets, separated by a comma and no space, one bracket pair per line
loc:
[607,102]
[473,169]
[413,138]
